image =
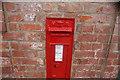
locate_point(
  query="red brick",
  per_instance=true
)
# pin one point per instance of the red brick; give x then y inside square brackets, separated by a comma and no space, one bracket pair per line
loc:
[31,68]
[80,61]
[32,45]
[41,17]
[100,54]
[27,45]
[2,16]
[31,61]
[40,68]
[34,74]
[81,68]
[9,6]
[102,18]
[31,36]
[29,6]
[7,70]
[109,69]
[16,60]
[70,7]
[115,39]
[93,61]
[4,45]
[86,46]
[29,16]
[70,15]
[96,46]
[91,74]
[5,53]
[54,15]
[114,47]
[13,36]
[116,62]
[113,55]
[50,7]
[103,38]
[79,74]
[23,53]
[40,54]
[87,27]
[30,27]
[6,62]
[14,16]
[3,27]
[1,6]
[90,7]
[12,26]
[84,18]
[41,36]
[106,8]
[15,45]
[17,74]
[96,67]
[17,68]
[80,54]
[102,29]
[86,37]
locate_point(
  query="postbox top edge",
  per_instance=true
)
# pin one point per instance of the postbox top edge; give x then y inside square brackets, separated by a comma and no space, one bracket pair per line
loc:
[60,18]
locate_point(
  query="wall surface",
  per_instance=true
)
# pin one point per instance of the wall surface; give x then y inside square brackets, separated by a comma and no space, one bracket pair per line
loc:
[23,43]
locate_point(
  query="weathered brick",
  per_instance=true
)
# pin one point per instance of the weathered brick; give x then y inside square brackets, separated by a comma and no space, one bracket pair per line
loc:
[13,36]
[85,46]
[13,27]
[87,27]
[103,38]
[66,7]
[23,53]
[29,6]
[31,68]
[81,54]
[109,69]
[3,27]
[5,54]
[54,15]
[102,29]
[34,74]
[7,70]
[30,27]
[106,8]
[29,16]
[10,6]
[79,74]
[31,36]
[17,68]
[95,18]
[70,15]
[41,36]
[14,17]
[4,45]
[50,7]
[32,61]
[81,68]
[86,37]
[16,61]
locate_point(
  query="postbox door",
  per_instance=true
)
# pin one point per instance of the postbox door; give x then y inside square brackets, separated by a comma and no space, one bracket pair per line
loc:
[59,61]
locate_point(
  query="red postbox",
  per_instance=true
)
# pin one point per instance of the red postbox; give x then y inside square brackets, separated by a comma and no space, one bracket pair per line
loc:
[59,45]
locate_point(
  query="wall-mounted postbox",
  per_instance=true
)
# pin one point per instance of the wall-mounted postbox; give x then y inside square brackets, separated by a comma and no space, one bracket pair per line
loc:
[59,44]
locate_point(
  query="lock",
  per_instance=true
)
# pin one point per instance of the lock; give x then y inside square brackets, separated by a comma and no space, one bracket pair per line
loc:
[59,45]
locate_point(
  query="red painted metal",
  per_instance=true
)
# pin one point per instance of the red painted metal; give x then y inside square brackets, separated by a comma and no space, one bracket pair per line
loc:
[59,31]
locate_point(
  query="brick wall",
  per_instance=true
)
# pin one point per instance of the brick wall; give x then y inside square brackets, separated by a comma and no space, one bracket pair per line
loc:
[23,45]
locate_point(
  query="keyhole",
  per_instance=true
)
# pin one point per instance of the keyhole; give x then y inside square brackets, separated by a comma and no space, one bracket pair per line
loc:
[54,65]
